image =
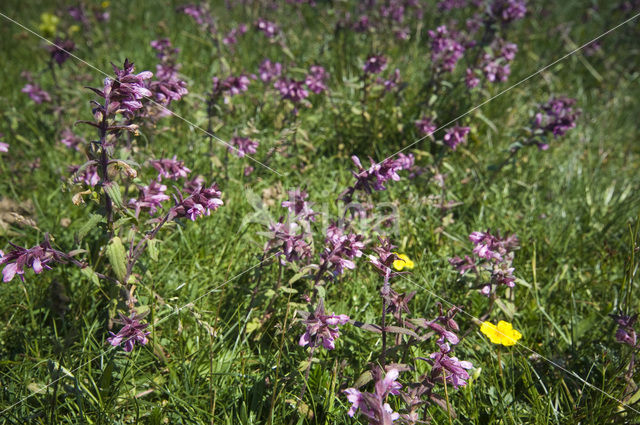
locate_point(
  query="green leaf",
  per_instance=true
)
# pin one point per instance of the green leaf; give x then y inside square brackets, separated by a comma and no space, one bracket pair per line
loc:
[152,246]
[112,189]
[116,255]
[89,273]
[92,222]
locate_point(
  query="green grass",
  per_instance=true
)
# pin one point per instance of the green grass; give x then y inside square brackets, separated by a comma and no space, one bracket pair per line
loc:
[233,356]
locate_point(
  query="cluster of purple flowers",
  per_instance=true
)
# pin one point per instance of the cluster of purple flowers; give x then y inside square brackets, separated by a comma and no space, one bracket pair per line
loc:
[241,146]
[493,254]
[61,50]
[375,64]
[291,89]
[446,49]
[151,197]
[70,139]
[374,177]
[557,116]
[269,70]
[131,333]
[426,125]
[167,86]
[322,329]
[201,14]
[231,85]
[170,168]
[340,250]
[494,64]
[36,258]
[508,10]
[200,202]
[33,90]
[289,241]
[449,368]
[316,79]
[88,175]
[232,36]
[373,405]
[455,135]
[299,206]
[626,333]
[270,29]
[123,94]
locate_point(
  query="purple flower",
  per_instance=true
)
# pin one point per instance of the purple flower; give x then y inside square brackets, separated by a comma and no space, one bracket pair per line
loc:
[61,50]
[392,82]
[269,70]
[131,333]
[201,14]
[36,258]
[236,85]
[200,202]
[270,29]
[124,93]
[298,205]
[426,125]
[362,24]
[70,140]
[445,49]
[493,254]
[4,147]
[241,146]
[454,370]
[626,333]
[376,175]
[322,329]
[471,80]
[248,170]
[456,135]
[557,116]
[232,36]
[375,64]
[291,89]
[508,10]
[341,249]
[316,79]
[373,405]
[36,93]
[88,175]
[151,197]
[170,168]
[194,184]
[289,241]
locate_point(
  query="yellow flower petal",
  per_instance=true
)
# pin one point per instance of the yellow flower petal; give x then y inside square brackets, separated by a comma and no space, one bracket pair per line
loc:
[502,334]
[402,262]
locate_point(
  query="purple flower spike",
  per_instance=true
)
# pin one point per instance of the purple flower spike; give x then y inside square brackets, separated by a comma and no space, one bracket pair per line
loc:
[269,70]
[508,10]
[456,135]
[374,405]
[36,93]
[291,89]
[455,370]
[131,333]
[557,116]
[298,205]
[322,329]
[151,197]
[200,202]
[375,64]
[170,168]
[426,125]
[446,50]
[316,79]
[269,29]
[240,146]
[125,92]
[36,258]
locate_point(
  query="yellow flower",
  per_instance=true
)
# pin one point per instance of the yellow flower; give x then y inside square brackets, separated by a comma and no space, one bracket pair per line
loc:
[105,4]
[48,24]
[502,334]
[402,262]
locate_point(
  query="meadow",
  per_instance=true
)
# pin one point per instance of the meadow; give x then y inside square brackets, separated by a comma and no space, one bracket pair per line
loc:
[319,212]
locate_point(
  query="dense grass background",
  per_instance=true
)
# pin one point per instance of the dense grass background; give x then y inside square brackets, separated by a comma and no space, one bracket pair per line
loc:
[233,356]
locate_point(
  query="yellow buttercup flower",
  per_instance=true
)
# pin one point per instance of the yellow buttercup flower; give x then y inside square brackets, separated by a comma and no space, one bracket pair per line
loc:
[105,4]
[502,334]
[402,262]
